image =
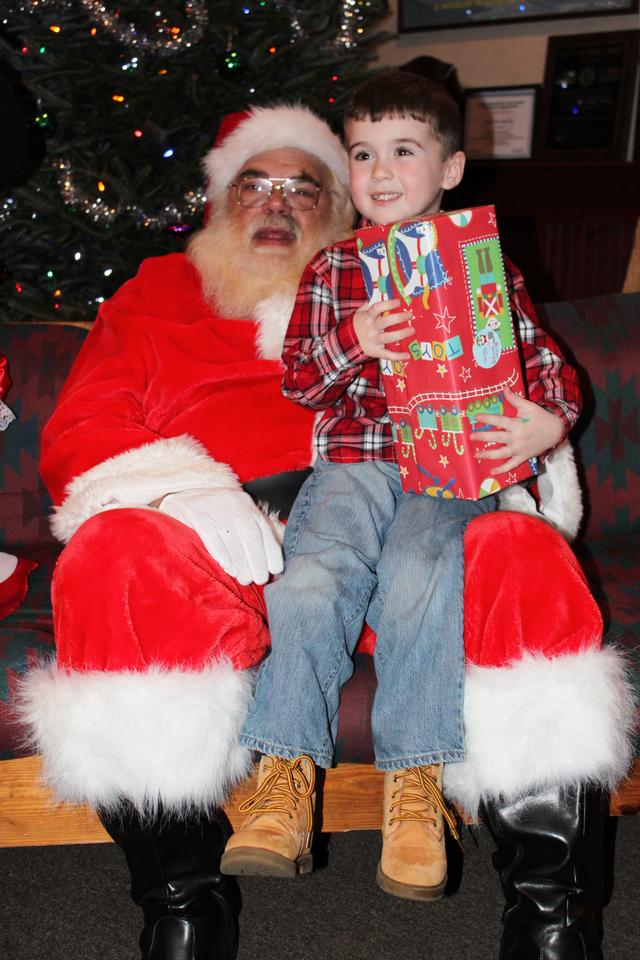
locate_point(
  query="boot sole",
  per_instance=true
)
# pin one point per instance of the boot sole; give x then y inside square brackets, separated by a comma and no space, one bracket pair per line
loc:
[409,891]
[254,862]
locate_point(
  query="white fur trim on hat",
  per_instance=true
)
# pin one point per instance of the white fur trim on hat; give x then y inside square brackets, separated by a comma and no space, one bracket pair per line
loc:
[269,128]
[541,722]
[139,476]
[153,737]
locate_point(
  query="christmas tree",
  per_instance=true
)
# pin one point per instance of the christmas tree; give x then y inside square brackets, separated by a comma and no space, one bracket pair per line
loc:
[127,98]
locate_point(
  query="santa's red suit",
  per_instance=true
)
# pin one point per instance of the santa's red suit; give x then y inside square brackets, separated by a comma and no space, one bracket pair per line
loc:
[155,640]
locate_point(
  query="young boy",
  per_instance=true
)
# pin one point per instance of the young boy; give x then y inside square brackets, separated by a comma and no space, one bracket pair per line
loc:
[359,548]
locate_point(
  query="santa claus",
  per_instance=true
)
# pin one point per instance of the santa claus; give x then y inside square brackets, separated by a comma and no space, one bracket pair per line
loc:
[170,427]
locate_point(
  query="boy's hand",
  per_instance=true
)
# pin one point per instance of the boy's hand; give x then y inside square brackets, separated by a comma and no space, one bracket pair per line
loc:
[533,431]
[371,329]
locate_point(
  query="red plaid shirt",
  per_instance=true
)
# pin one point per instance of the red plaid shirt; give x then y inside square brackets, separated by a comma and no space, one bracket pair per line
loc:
[326,369]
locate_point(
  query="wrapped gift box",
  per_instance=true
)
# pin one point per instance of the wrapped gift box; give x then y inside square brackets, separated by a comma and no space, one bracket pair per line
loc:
[448,271]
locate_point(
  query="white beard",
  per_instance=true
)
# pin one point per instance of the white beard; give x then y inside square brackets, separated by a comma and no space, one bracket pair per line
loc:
[248,284]
[272,316]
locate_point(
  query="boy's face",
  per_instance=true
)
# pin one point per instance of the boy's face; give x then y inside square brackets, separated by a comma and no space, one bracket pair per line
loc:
[396,169]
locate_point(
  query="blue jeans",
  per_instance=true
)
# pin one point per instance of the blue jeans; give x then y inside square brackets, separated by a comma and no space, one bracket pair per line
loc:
[357,547]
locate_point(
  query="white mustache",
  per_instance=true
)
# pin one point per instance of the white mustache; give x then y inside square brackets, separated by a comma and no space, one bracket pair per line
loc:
[280,221]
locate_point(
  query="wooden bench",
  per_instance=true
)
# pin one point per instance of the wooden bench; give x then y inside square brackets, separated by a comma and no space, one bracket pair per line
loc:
[351,800]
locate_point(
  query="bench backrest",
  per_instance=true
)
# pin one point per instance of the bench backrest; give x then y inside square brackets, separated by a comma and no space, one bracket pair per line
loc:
[40,357]
[601,337]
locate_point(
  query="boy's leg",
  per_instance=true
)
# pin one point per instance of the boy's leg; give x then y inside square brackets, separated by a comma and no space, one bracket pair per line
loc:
[417,613]
[316,610]
[417,717]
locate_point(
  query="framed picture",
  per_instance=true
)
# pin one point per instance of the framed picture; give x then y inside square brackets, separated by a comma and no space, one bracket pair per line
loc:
[499,123]
[587,99]
[429,15]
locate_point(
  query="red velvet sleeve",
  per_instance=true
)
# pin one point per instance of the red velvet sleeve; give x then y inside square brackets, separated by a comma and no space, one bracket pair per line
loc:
[100,412]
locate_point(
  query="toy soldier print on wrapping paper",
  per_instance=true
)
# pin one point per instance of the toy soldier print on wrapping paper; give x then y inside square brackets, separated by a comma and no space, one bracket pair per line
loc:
[448,271]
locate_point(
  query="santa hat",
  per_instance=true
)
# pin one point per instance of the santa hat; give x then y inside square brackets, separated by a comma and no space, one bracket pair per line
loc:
[243,135]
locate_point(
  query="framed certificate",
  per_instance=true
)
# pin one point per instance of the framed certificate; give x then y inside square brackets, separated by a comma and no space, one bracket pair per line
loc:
[429,15]
[499,123]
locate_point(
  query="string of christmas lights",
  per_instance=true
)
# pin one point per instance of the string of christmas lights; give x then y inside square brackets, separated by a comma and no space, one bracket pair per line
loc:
[351,29]
[166,38]
[297,30]
[169,39]
[100,211]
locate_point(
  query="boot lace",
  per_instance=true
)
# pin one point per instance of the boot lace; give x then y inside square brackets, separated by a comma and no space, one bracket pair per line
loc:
[283,787]
[426,792]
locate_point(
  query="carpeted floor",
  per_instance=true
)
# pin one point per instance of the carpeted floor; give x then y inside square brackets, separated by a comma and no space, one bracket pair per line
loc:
[71,903]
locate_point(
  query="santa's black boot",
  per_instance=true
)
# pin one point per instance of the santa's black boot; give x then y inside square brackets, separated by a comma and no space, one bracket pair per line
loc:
[190,910]
[549,857]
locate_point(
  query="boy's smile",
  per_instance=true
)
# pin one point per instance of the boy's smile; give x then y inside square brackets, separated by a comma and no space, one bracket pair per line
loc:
[396,168]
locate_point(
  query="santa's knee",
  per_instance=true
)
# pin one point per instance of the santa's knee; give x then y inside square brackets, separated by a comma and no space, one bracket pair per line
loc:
[108,544]
[524,592]
[135,588]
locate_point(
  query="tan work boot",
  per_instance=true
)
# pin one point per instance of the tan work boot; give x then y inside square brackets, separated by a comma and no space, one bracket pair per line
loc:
[414,862]
[275,840]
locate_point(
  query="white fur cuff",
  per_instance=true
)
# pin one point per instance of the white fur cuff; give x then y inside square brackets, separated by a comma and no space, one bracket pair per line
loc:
[159,736]
[560,493]
[138,477]
[540,722]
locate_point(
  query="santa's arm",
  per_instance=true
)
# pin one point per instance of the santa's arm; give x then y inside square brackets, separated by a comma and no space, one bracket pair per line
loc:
[98,448]
[552,382]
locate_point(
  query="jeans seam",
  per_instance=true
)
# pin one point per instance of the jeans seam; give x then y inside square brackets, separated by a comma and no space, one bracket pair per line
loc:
[271,748]
[421,759]
[291,550]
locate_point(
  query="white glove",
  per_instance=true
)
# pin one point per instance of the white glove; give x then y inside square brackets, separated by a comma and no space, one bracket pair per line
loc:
[234,531]
[8,564]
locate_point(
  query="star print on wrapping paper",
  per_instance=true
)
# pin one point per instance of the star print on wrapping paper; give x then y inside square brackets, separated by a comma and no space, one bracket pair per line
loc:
[492,218]
[400,384]
[443,460]
[404,472]
[511,477]
[442,369]
[444,320]
[465,373]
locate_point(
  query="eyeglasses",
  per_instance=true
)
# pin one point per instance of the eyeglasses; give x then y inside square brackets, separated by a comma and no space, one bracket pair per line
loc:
[254,191]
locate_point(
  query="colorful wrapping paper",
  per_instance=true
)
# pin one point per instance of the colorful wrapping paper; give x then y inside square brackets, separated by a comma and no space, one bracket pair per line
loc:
[448,271]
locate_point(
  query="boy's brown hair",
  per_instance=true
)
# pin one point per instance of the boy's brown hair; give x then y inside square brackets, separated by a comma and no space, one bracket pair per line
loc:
[398,93]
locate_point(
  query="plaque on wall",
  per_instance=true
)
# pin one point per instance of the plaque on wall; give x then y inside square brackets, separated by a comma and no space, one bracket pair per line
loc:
[430,15]
[586,104]
[499,122]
